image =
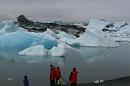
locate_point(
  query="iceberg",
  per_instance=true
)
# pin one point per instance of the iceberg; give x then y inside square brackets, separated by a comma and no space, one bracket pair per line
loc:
[60,50]
[91,40]
[37,50]
[93,36]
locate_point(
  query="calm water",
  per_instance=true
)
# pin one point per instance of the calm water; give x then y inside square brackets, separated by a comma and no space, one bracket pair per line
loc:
[92,64]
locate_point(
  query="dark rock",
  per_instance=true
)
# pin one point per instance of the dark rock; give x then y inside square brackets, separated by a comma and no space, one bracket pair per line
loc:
[41,27]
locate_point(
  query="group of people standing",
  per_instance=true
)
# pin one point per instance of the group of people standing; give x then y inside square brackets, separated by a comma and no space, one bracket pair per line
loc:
[55,76]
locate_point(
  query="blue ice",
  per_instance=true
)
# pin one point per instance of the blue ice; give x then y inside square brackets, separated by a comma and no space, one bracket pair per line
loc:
[24,40]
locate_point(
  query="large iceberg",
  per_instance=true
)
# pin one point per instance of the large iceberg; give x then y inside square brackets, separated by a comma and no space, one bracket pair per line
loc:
[48,42]
[37,50]
[93,36]
[90,39]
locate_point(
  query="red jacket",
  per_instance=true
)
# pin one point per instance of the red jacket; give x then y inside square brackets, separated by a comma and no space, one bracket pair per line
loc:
[53,73]
[58,74]
[73,77]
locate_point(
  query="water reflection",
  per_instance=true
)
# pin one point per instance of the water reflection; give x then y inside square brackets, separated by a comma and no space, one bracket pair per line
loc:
[7,55]
[45,59]
[92,54]
[92,64]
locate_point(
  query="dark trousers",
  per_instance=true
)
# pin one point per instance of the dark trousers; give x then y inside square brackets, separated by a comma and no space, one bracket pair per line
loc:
[52,83]
[73,84]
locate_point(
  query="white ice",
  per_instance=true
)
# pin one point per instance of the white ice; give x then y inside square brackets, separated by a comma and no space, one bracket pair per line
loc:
[123,34]
[60,50]
[37,50]
[66,35]
[93,36]
[16,39]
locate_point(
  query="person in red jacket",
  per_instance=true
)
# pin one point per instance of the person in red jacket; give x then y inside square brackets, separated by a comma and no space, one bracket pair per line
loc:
[58,77]
[52,75]
[73,77]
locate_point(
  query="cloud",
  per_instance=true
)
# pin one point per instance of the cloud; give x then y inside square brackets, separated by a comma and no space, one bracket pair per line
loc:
[68,10]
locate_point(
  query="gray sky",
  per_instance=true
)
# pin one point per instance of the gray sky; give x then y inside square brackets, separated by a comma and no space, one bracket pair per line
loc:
[66,10]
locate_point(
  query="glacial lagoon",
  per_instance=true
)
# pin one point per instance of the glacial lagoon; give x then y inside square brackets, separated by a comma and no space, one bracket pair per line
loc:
[93,63]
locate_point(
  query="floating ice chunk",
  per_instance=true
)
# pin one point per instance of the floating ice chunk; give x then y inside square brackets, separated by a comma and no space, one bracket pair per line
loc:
[37,50]
[9,79]
[60,50]
[97,81]
[101,81]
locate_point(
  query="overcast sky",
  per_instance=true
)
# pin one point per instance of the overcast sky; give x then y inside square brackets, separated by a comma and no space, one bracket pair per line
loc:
[66,10]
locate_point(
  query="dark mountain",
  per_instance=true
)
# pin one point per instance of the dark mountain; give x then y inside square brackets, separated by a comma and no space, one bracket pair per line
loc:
[41,27]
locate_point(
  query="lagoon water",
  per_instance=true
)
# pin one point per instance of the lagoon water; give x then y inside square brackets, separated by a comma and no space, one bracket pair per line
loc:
[92,63]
